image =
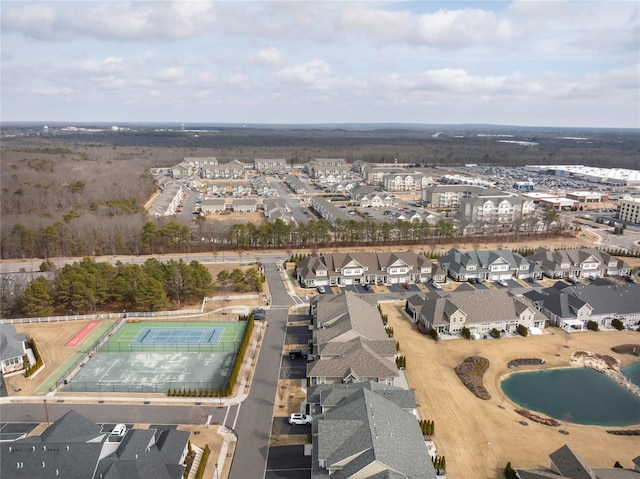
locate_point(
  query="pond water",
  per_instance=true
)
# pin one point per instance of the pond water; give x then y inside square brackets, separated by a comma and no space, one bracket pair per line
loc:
[579,395]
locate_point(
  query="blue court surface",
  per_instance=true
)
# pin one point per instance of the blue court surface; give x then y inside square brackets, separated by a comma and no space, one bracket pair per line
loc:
[147,336]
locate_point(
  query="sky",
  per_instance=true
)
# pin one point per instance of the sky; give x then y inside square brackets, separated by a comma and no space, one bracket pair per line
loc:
[530,63]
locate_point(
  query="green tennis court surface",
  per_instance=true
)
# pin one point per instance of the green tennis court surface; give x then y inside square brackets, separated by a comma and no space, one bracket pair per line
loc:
[197,356]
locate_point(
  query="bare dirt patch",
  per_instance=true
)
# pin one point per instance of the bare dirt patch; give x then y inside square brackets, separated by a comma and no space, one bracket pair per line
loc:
[50,339]
[479,437]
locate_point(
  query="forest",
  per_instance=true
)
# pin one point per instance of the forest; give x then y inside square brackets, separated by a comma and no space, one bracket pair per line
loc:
[88,286]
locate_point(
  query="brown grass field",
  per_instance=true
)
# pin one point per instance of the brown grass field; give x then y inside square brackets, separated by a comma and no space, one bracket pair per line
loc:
[478,437]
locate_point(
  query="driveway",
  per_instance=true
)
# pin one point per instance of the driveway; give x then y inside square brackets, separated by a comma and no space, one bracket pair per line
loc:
[298,335]
[356,288]
[399,288]
[288,462]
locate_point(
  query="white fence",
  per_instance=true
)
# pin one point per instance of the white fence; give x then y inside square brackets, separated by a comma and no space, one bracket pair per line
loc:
[132,314]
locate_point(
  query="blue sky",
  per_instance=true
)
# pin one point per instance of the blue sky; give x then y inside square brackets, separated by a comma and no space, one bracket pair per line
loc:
[538,63]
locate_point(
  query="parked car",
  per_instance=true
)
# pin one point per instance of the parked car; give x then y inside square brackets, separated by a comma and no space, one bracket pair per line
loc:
[406,286]
[572,280]
[366,287]
[321,289]
[119,430]
[593,276]
[297,353]
[300,419]
[259,314]
[436,286]
[630,279]
[502,283]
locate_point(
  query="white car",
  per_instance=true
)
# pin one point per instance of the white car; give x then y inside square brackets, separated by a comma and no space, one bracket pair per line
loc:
[300,419]
[119,430]
[320,289]
[436,286]
[502,283]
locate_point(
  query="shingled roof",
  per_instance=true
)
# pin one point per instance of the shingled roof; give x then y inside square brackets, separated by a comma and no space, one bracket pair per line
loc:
[363,431]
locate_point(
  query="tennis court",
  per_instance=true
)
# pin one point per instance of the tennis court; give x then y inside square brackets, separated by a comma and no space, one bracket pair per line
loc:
[154,357]
[176,337]
[148,336]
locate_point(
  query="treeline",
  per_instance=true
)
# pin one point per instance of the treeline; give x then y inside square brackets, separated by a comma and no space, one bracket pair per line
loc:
[88,286]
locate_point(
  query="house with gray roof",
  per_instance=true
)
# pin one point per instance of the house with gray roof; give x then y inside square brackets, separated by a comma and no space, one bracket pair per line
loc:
[324,397]
[368,435]
[488,265]
[248,205]
[12,349]
[567,463]
[571,307]
[580,263]
[350,342]
[479,310]
[295,184]
[73,447]
[367,268]
[270,165]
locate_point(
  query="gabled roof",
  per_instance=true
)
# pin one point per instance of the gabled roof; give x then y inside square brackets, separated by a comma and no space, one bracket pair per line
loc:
[353,361]
[72,427]
[570,464]
[347,313]
[330,395]
[489,305]
[362,432]
[11,342]
[566,463]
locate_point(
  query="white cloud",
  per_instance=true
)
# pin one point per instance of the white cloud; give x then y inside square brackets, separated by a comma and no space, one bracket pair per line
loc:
[305,75]
[269,57]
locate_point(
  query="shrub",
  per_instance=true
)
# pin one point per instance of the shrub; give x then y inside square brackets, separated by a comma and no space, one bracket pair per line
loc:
[592,326]
[522,330]
[466,332]
[434,334]
[495,333]
[509,473]
[616,323]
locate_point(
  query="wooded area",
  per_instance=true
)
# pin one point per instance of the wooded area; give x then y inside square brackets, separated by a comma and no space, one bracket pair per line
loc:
[88,286]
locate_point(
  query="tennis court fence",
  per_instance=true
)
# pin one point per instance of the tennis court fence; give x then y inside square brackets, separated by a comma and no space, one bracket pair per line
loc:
[193,389]
[121,347]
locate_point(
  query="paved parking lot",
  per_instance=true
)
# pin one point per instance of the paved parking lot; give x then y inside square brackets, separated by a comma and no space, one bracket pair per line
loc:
[298,335]
[357,288]
[288,462]
[10,431]
[399,288]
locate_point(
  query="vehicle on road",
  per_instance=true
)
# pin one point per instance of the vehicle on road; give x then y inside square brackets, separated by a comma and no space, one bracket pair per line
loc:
[300,419]
[297,353]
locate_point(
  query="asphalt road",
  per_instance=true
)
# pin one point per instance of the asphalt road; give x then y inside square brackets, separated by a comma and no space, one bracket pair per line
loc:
[254,422]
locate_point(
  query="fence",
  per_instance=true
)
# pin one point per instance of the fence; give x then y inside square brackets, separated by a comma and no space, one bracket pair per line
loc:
[81,317]
[157,315]
[122,347]
[197,389]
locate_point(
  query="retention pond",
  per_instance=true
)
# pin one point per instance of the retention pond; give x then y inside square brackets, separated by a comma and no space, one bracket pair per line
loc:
[579,395]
